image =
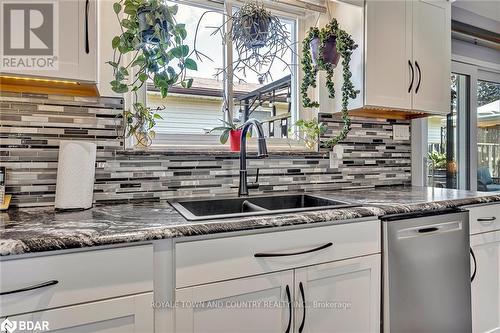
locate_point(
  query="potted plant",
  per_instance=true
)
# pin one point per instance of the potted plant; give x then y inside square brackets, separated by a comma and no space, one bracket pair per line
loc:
[436,161]
[321,50]
[232,131]
[259,39]
[155,42]
[309,131]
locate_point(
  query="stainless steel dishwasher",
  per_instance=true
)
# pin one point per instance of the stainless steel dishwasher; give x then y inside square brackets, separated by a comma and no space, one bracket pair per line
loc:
[426,272]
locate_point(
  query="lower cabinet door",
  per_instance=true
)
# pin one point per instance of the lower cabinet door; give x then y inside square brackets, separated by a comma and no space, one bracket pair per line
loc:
[485,286]
[131,314]
[342,296]
[259,304]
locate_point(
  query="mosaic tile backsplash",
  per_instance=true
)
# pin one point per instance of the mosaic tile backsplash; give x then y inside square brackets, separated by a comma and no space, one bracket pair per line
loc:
[31,126]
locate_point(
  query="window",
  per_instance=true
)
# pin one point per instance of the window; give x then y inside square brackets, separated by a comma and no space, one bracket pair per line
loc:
[189,114]
[488,135]
[193,111]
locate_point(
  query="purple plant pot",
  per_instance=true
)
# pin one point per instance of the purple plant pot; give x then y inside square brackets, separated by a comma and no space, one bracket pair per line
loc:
[329,55]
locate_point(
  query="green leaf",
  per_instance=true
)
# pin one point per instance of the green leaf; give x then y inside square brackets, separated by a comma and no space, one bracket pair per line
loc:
[115,42]
[224,136]
[189,83]
[112,63]
[157,116]
[173,9]
[143,77]
[185,50]
[177,52]
[117,7]
[191,64]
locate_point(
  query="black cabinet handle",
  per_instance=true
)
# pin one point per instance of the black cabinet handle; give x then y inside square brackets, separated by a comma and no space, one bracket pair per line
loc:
[87,46]
[475,265]
[486,219]
[412,76]
[33,287]
[263,255]
[301,288]
[419,77]
[289,297]
[426,230]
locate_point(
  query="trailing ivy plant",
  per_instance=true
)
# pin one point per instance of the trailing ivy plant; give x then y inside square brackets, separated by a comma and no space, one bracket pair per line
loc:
[153,41]
[321,49]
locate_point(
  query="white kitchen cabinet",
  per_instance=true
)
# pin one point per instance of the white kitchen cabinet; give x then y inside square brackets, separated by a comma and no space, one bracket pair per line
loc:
[408,55]
[254,304]
[77,43]
[342,296]
[485,287]
[432,55]
[132,314]
[388,54]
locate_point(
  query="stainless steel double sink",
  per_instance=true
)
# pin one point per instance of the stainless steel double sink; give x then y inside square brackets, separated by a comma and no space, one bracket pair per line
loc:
[196,210]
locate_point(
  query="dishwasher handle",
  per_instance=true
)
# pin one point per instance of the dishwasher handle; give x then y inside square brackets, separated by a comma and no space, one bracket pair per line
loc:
[417,214]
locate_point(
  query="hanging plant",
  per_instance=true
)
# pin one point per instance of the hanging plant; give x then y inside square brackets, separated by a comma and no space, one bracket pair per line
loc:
[155,42]
[259,39]
[322,50]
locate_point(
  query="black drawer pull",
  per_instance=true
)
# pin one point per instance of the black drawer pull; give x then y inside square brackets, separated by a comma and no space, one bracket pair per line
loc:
[33,287]
[289,299]
[426,230]
[302,294]
[486,219]
[263,255]
[475,265]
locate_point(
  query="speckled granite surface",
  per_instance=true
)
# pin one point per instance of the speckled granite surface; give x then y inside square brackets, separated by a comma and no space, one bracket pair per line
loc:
[41,229]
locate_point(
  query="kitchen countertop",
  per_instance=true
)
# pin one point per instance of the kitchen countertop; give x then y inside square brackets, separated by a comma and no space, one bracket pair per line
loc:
[41,229]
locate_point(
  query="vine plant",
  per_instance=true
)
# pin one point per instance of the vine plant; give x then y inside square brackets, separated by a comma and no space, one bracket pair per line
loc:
[344,45]
[155,42]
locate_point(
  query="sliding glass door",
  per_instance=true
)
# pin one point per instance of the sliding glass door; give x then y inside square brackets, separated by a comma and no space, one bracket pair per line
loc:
[463,147]
[488,132]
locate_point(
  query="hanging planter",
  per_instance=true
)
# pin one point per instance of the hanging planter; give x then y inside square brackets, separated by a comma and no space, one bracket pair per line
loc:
[154,42]
[322,50]
[259,40]
[329,53]
[254,21]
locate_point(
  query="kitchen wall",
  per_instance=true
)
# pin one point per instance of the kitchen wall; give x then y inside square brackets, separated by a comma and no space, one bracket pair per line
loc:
[31,126]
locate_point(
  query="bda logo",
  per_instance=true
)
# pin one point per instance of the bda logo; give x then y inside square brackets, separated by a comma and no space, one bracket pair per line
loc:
[29,31]
[8,326]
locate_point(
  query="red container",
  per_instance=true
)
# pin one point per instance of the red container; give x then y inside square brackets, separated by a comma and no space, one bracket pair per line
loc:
[235,139]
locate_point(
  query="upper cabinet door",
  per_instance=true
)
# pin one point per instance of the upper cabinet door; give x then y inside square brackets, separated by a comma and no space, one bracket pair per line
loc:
[432,55]
[341,296]
[388,54]
[76,34]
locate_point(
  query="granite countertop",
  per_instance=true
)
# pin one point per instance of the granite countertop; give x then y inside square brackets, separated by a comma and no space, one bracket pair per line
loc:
[41,229]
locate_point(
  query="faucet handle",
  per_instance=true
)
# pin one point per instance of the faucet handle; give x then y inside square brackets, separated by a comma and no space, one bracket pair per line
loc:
[256,183]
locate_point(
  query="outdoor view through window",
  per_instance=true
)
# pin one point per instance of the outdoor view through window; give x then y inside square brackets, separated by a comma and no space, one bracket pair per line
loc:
[192,113]
[448,154]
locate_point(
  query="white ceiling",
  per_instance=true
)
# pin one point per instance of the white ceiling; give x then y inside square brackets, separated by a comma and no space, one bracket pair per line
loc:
[486,8]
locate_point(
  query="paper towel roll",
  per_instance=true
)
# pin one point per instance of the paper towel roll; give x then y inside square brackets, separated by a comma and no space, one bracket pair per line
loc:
[75,175]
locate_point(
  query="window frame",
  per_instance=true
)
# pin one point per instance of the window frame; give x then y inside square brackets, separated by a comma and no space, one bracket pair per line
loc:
[196,142]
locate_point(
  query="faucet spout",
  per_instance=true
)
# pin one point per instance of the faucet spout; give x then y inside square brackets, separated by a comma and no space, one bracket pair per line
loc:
[261,152]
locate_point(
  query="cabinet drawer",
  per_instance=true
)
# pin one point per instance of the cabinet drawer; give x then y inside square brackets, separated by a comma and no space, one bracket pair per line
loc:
[81,277]
[211,260]
[484,218]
